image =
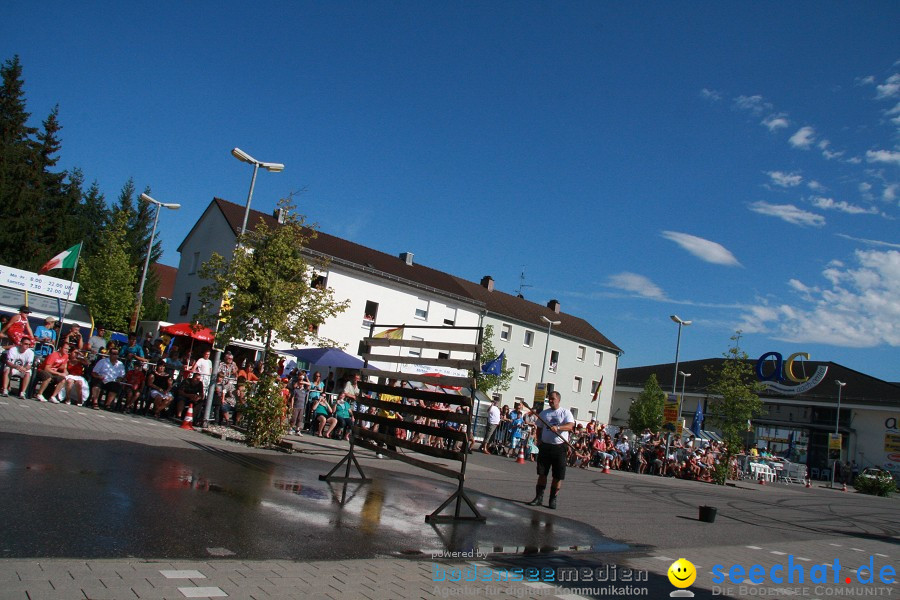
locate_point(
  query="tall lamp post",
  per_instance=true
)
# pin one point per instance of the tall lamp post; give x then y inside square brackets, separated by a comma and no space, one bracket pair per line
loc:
[268,166]
[684,377]
[140,293]
[681,323]
[837,420]
[550,325]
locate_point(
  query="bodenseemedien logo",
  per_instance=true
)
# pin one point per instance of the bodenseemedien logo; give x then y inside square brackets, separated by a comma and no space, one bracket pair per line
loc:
[682,574]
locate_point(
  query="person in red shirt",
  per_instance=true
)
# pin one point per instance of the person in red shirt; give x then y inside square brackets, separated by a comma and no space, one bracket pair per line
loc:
[17,327]
[75,384]
[134,385]
[55,369]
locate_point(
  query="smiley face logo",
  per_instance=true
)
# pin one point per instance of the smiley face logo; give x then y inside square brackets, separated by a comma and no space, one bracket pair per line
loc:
[682,573]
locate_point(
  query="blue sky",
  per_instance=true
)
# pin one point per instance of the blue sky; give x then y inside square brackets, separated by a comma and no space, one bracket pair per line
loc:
[735,164]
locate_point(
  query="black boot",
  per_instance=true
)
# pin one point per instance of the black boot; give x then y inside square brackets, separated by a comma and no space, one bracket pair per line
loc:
[538,500]
[552,502]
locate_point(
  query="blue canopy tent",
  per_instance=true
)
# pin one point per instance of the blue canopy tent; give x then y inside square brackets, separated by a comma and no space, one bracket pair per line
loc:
[325,357]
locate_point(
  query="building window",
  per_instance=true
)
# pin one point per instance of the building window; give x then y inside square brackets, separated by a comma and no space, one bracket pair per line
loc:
[416,351]
[550,388]
[370,313]
[186,306]
[450,316]
[554,361]
[195,262]
[529,338]
[574,412]
[318,282]
[576,385]
[523,372]
[579,354]
[422,309]
[520,400]
[505,332]
[598,359]
[594,386]
[443,355]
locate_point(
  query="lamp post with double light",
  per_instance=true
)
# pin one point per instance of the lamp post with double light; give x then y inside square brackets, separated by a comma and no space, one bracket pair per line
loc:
[837,420]
[684,377]
[140,293]
[268,166]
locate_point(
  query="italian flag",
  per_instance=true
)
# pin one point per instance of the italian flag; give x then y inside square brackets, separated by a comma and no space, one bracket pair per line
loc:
[67,259]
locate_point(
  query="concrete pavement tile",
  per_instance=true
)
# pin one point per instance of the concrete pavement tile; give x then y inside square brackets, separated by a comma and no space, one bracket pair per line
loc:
[118,593]
[148,592]
[287,581]
[13,594]
[56,595]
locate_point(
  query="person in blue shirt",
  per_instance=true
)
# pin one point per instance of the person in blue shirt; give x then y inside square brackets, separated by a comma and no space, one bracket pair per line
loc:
[132,351]
[45,337]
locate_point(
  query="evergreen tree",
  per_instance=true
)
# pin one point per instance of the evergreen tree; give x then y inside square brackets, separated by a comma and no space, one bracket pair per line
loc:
[647,411]
[488,383]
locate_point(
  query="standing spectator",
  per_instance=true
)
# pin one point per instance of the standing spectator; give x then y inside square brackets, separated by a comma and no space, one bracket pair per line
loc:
[203,366]
[97,342]
[300,392]
[17,327]
[316,389]
[493,423]
[54,369]
[19,360]
[329,383]
[109,371]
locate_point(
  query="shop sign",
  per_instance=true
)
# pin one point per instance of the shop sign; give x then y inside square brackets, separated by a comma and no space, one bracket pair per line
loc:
[782,378]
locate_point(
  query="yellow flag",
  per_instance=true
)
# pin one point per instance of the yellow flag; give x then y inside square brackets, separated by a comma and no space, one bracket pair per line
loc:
[391,334]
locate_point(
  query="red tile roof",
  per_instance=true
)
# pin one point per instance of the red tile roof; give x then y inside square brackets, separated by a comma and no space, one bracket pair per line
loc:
[166,276]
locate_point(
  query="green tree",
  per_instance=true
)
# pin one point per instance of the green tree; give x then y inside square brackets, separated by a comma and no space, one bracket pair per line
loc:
[488,383]
[647,411]
[268,283]
[107,277]
[734,402]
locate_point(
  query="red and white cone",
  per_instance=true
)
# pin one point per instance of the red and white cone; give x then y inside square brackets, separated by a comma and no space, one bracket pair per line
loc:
[188,418]
[521,458]
[761,481]
[808,484]
[606,466]
[844,487]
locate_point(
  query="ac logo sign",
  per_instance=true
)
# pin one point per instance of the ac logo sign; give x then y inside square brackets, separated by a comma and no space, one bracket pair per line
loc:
[783,376]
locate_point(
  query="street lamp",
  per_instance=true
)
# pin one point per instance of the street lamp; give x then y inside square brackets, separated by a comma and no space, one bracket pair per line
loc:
[684,377]
[550,325]
[268,166]
[681,323]
[140,293]
[837,420]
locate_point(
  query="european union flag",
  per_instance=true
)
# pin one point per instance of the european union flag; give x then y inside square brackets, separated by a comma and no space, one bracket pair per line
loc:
[698,421]
[493,367]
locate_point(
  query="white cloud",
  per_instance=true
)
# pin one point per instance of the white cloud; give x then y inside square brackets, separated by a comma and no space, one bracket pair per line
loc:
[705,250]
[867,80]
[789,213]
[831,155]
[754,104]
[877,243]
[637,284]
[883,156]
[850,209]
[776,121]
[888,89]
[804,138]
[815,186]
[859,308]
[890,192]
[855,160]
[893,111]
[785,180]
[709,94]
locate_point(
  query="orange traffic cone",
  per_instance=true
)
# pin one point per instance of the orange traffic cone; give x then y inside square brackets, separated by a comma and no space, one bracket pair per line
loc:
[808,484]
[761,480]
[844,487]
[188,418]
[521,458]
[606,466]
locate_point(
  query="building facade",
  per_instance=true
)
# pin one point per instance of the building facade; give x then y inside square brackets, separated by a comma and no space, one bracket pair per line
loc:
[394,290]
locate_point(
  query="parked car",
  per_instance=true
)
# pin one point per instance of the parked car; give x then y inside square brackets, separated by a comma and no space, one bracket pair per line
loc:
[875,473]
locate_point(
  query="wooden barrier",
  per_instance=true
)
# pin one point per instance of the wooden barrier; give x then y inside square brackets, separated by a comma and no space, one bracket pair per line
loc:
[448,428]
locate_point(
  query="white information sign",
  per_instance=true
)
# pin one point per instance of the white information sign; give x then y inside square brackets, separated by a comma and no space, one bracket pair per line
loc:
[37,284]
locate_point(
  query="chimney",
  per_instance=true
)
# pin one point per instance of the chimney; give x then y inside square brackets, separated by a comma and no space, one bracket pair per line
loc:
[279,215]
[487,282]
[407,257]
[554,306]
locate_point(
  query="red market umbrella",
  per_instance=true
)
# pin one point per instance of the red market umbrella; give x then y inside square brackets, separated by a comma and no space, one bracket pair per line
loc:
[195,332]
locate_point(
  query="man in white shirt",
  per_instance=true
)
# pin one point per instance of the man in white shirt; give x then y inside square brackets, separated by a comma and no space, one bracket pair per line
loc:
[109,373]
[554,426]
[493,422]
[203,366]
[19,360]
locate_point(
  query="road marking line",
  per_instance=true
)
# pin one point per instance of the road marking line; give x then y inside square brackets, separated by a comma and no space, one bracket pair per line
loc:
[857,549]
[182,574]
[753,547]
[539,585]
[202,592]
[750,582]
[220,552]
[804,559]
[663,558]
[831,544]
[881,555]
[777,552]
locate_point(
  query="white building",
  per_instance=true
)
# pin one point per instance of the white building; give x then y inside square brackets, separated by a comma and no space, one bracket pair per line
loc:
[394,290]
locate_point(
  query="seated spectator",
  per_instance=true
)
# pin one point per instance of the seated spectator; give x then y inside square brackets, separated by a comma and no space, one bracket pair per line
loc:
[343,416]
[132,351]
[134,385]
[324,414]
[19,360]
[240,399]
[249,373]
[45,335]
[107,375]
[17,327]
[160,384]
[76,386]
[97,342]
[53,369]
[190,393]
